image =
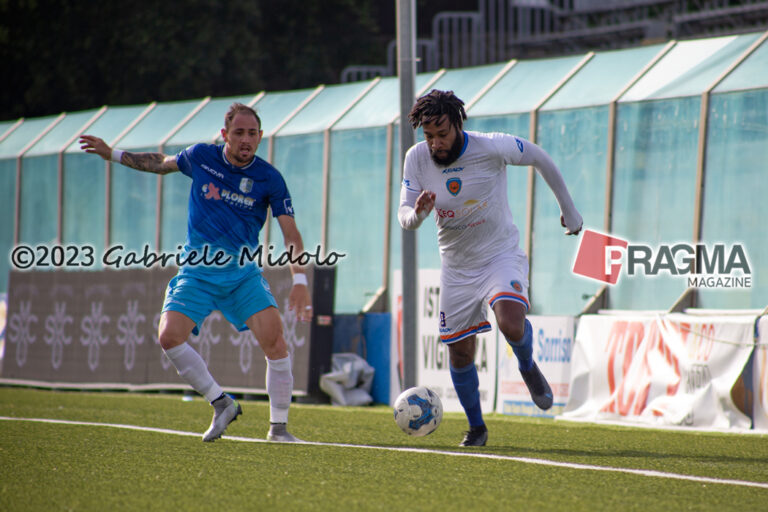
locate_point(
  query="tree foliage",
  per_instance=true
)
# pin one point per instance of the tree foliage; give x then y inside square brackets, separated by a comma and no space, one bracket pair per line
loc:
[60,55]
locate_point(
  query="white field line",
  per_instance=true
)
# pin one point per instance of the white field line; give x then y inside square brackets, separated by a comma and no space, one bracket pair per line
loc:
[525,460]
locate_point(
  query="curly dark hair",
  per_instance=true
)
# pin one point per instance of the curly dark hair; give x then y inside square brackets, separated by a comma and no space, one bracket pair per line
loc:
[434,104]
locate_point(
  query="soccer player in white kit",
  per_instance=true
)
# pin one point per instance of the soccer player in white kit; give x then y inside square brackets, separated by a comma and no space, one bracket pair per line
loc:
[462,176]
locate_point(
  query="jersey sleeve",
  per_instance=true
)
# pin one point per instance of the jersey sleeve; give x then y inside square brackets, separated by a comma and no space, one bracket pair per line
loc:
[532,154]
[185,157]
[279,197]
[509,147]
[410,189]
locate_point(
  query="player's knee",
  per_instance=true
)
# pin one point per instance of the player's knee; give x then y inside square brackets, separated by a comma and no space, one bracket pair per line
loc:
[461,360]
[269,332]
[174,329]
[461,354]
[168,338]
[512,328]
[276,348]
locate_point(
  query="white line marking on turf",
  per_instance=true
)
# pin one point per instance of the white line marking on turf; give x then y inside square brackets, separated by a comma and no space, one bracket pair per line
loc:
[526,460]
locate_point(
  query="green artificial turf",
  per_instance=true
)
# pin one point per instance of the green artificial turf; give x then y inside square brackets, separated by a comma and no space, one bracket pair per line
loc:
[46,466]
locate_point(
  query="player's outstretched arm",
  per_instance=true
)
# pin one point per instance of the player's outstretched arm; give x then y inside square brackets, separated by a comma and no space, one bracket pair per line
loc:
[570,217]
[156,163]
[298,299]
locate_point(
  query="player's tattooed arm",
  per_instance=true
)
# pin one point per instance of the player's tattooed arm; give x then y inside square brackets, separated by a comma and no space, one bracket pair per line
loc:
[156,163]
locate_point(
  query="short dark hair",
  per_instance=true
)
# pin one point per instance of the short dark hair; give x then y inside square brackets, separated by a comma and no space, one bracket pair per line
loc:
[434,105]
[239,108]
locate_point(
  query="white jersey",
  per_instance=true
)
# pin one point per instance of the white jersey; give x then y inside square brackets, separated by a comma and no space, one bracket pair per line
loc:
[474,222]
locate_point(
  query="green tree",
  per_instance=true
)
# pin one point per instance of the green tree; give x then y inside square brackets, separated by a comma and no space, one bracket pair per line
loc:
[73,55]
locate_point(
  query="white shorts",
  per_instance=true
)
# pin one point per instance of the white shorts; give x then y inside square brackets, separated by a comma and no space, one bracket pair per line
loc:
[464,294]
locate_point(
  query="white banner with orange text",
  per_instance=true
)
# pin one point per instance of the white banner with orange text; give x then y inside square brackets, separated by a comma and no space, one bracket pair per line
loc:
[760,377]
[660,369]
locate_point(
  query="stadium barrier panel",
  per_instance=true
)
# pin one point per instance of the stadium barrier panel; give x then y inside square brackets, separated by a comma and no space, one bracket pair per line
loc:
[3,314]
[663,369]
[98,330]
[760,377]
[376,330]
[552,349]
[367,335]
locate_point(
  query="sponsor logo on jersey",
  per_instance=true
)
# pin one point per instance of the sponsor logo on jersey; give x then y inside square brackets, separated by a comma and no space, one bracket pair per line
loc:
[453,169]
[212,171]
[519,144]
[288,205]
[470,206]
[246,185]
[211,191]
[442,319]
[454,186]
[237,199]
[465,226]
[407,184]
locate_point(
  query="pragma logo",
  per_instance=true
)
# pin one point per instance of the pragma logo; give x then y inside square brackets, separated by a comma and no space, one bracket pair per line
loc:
[453,169]
[603,257]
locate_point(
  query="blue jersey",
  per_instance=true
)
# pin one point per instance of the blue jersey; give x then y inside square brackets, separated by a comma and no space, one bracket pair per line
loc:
[228,207]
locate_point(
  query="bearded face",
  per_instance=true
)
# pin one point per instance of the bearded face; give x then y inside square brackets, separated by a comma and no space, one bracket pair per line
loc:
[444,140]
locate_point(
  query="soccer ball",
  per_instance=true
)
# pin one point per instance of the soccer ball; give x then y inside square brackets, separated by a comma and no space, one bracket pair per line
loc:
[418,411]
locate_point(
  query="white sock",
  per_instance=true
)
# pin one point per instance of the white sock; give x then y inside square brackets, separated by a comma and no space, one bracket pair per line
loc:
[279,388]
[191,367]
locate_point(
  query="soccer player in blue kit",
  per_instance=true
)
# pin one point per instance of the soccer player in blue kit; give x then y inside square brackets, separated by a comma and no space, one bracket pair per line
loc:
[462,176]
[231,191]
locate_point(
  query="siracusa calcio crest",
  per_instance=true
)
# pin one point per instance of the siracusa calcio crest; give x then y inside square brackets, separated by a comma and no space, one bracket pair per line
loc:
[246,185]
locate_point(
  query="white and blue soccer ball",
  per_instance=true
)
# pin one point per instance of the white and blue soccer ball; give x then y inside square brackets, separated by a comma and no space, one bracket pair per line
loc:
[418,411]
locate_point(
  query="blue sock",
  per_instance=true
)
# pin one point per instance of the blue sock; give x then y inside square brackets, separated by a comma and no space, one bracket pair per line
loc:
[523,349]
[468,389]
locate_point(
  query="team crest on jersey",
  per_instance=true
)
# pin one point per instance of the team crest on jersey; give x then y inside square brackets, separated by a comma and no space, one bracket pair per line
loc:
[246,185]
[517,286]
[454,186]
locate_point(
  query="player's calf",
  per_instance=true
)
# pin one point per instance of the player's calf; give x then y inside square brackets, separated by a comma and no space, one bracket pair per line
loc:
[537,384]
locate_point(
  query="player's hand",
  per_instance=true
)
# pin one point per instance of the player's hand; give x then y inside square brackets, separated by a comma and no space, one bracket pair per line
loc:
[300,302]
[425,202]
[569,231]
[91,144]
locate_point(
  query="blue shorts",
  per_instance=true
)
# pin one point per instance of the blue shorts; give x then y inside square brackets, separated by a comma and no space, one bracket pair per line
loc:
[197,298]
